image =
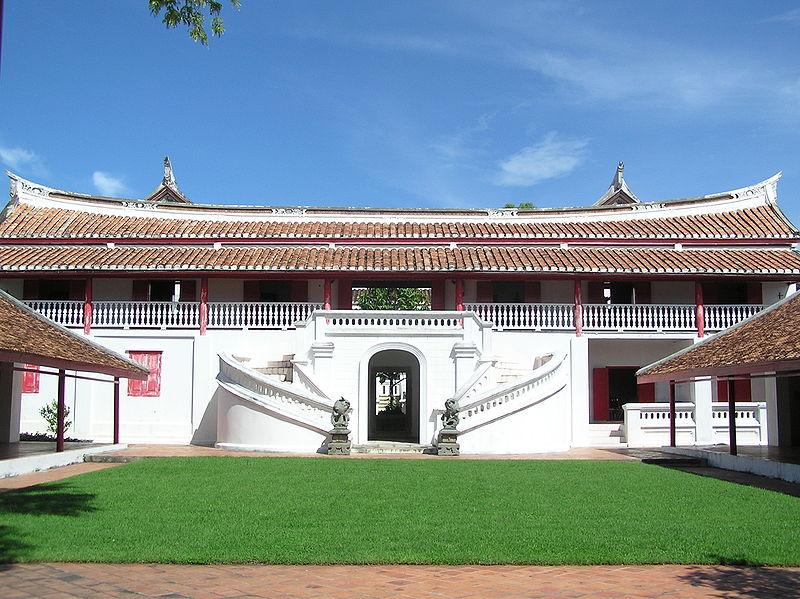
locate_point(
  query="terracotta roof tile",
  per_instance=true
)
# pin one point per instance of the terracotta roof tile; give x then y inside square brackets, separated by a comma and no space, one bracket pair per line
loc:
[26,336]
[415,259]
[770,337]
[27,221]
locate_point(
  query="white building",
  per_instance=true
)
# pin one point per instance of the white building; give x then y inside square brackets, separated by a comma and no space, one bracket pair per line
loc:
[540,318]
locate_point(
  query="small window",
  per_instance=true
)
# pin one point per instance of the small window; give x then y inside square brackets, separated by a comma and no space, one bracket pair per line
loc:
[152,386]
[30,379]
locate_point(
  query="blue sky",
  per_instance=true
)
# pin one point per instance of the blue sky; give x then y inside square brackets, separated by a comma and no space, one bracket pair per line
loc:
[440,103]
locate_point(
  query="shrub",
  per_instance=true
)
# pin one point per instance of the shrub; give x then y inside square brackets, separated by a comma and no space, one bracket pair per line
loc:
[50,413]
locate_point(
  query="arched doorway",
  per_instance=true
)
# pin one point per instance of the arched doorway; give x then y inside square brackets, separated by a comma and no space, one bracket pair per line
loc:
[393,386]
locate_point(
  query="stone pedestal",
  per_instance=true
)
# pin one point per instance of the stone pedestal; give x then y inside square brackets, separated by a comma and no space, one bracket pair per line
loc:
[340,442]
[447,444]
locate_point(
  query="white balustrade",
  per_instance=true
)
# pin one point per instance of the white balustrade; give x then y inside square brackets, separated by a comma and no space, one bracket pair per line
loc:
[65,313]
[258,315]
[549,317]
[638,317]
[722,316]
[647,424]
[164,315]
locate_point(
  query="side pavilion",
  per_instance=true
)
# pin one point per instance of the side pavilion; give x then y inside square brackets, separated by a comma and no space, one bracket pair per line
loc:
[764,346]
[33,344]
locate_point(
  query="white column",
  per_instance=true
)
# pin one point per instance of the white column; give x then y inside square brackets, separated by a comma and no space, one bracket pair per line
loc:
[771,397]
[704,434]
[464,356]
[10,395]
[579,388]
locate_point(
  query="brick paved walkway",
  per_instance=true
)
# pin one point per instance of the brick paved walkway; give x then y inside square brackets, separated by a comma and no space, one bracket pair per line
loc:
[402,582]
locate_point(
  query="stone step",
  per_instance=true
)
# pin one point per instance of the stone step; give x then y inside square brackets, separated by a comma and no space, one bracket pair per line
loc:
[110,458]
[392,447]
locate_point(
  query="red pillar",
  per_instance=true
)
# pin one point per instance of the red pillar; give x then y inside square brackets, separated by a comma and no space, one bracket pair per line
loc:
[578,308]
[460,295]
[672,424]
[732,416]
[87,307]
[116,409]
[62,389]
[699,310]
[326,294]
[203,305]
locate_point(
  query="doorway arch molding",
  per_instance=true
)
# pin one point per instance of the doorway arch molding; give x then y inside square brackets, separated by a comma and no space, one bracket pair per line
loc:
[363,387]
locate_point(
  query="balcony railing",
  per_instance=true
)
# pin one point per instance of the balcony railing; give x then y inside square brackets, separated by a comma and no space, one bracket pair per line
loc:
[597,318]
[537,317]
[258,315]
[130,315]
[638,317]
[718,317]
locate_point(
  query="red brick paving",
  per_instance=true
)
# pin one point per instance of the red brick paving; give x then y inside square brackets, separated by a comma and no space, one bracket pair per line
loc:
[370,582]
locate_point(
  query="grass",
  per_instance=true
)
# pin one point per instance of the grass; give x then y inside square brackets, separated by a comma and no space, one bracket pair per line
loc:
[324,511]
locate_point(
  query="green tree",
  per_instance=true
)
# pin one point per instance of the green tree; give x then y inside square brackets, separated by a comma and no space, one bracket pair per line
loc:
[521,205]
[404,298]
[50,414]
[192,13]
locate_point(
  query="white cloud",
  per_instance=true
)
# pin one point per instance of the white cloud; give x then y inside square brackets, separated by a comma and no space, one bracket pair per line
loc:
[22,160]
[107,184]
[790,16]
[549,158]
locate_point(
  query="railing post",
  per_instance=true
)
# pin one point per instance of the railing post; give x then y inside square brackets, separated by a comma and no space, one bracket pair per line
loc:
[699,310]
[203,305]
[732,416]
[672,425]
[578,309]
[459,295]
[87,306]
[326,294]
[62,388]
[116,410]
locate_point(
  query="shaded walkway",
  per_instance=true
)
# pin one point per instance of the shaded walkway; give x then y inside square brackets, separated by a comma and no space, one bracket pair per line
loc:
[277,582]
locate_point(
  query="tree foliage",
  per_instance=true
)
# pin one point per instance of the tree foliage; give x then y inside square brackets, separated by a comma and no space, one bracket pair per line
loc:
[50,414]
[192,13]
[405,298]
[521,205]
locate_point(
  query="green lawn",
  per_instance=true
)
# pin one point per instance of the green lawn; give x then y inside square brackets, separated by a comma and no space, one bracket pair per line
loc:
[296,510]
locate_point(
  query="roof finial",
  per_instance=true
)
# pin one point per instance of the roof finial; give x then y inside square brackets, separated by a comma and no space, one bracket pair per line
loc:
[619,178]
[169,176]
[618,192]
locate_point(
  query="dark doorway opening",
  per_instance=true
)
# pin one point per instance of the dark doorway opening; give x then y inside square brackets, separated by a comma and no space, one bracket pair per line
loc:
[622,389]
[394,397]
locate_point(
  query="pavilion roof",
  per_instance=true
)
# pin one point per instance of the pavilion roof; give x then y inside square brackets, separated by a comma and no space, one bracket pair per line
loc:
[30,338]
[766,342]
[782,264]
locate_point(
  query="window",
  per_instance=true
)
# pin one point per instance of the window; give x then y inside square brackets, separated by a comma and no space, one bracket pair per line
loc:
[30,380]
[152,386]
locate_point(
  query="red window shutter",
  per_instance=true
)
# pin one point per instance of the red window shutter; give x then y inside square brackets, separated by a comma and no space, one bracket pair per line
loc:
[646,393]
[437,295]
[188,291]
[594,292]
[483,293]
[600,394]
[742,390]
[299,291]
[30,380]
[141,290]
[642,289]
[251,291]
[722,390]
[152,386]
[345,294]
[533,292]
[754,294]
[30,289]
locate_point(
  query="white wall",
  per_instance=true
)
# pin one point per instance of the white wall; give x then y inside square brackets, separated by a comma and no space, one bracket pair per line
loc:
[112,289]
[225,290]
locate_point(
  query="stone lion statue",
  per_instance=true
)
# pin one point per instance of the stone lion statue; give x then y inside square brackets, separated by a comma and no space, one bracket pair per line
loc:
[340,418]
[450,417]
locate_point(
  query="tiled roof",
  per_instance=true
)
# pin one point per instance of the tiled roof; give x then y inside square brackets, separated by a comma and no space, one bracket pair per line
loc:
[401,259]
[27,221]
[768,341]
[28,337]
